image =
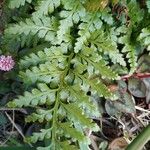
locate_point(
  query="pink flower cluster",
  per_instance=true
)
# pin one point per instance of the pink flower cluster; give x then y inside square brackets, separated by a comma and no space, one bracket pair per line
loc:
[6,63]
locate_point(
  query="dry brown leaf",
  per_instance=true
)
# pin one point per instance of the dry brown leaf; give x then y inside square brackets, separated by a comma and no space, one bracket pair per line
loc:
[95,5]
[118,144]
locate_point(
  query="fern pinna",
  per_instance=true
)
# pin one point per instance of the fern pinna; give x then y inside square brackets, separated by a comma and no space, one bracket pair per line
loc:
[80,42]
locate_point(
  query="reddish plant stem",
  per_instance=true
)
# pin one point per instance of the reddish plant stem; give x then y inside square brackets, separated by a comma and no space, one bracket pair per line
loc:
[137,75]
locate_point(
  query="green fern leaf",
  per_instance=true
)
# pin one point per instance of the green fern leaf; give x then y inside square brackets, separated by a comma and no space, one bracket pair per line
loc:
[131,55]
[44,27]
[148,5]
[44,134]
[40,116]
[79,49]
[72,14]
[17,3]
[47,6]
[135,13]
[77,115]
[82,100]
[105,44]
[129,48]
[90,23]
[107,16]
[99,66]
[43,73]
[144,37]
[37,96]
[47,55]
[100,88]
[72,132]
[66,145]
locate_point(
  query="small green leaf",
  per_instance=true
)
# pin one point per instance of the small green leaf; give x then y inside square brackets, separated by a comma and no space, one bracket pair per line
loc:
[147,84]
[3,119]
[111,109]
[137,87]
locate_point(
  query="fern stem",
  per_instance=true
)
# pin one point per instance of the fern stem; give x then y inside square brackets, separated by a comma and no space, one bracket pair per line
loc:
[54,124]
[55,119]
[66,70]
[138,75]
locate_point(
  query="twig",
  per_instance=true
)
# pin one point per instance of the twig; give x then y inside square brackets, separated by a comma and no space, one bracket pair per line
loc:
[14,109]
[7,109]
[141,109]
[137,75]
[11,130]
[143,115]
[13,123]
[93,143]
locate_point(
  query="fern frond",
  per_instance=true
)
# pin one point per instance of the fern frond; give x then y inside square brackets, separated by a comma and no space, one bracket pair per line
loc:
[106,16]
[148,5]
[82,100]
[46,6]
[78,116]
[105,44]
[81,48]
[53,96]
[47,55]
[129,49]
[96,85]
[72,14]
[102,41]
[17,3]
[134,12]
[43,73]
[36,97]
[131,55]
[23,41]
[92,58]
[70,131]
[44,27]
[144,37]
[40,136]
[90,23]
[40,116]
